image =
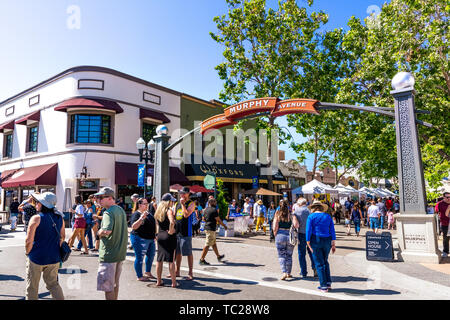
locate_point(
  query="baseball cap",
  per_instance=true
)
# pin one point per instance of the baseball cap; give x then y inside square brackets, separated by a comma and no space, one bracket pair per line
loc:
[168,197]
[184,190]
[105,191]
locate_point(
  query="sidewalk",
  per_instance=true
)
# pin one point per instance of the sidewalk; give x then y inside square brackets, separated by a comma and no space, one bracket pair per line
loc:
[253,259]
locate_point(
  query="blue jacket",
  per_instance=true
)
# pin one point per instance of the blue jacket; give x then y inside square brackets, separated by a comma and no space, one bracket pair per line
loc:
[320,224]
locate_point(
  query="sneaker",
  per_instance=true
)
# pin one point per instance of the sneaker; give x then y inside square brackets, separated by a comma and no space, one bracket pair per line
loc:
[322,289]
[444,255]
[219,258]
[203,263]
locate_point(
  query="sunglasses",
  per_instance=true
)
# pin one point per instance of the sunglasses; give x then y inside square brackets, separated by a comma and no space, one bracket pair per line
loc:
[103,197]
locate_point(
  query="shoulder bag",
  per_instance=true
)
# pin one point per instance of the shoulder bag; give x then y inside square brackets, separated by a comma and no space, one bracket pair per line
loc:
[64,249]
[293,234]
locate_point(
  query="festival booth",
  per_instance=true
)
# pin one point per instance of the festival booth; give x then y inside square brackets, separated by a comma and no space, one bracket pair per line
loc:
[366,193]
[347,192]
[241,222]
[315,189]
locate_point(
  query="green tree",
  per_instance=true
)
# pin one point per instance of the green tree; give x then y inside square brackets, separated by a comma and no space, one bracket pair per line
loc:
[407,35]
[221,200]
[264,50]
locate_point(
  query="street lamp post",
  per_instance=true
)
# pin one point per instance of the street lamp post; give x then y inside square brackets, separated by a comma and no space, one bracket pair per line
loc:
[161,167]
[258,169]
[146,154]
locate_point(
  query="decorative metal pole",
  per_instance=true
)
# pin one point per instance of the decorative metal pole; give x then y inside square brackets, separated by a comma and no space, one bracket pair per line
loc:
[416,230]
[161,168]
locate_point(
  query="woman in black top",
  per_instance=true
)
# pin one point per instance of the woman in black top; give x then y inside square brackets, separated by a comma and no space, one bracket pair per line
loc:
[167,239]
[143,239]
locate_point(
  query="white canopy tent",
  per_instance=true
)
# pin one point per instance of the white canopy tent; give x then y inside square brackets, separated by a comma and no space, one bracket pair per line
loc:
[313,187]
[346,191]
[367,191]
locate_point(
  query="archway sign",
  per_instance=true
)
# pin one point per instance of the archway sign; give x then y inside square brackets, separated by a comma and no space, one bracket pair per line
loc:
[260,106]
[416,230]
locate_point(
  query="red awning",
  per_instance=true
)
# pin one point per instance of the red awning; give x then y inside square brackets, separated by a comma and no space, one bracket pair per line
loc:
[35,116]
[155,115]
[7,125]
[44,175]
[196,189]
[101,104]
[127,173]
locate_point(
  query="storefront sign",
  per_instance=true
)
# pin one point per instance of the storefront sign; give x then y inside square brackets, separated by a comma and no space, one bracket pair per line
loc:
[245,108]
[255,182]
[215,122]
[88,184]
[294,106]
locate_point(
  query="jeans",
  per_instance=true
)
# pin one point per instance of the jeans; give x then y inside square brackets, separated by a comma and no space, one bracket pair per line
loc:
[446,238]
[88,233]
[381,224]
[13,222]
[270,228]
[373,223]
[142,247]
[302,248]
[357,223]
[321,249]
[285,250]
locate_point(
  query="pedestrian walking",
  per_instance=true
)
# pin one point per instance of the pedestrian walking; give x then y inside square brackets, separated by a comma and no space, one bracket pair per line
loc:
[357,217]
[142,238]
[337,211]
[183,210]
[302,213]
[281,225]
[113,244]
[14,213]
[347,221]
[382,207]
[167,238]
[46,233]
[89,217]
[270,216]
[261,217]
[196,219]
[442,207]
[28,207]
[79,226]
[211,218]
[391,219]
[321,238]
[373,213]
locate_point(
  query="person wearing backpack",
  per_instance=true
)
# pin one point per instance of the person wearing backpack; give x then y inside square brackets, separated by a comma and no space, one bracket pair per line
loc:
[42,247]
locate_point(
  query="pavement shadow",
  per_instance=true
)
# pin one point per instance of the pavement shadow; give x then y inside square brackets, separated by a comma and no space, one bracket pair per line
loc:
[350,248]
[71,271]
[218,290]
[41,296]
[356,292]
[241,264]
[7,277]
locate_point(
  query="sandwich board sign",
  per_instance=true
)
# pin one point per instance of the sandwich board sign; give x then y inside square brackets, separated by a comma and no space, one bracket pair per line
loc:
[379,247]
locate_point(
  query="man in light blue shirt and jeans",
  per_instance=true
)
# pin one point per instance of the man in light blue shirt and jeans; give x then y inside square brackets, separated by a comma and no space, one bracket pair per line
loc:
[301,211]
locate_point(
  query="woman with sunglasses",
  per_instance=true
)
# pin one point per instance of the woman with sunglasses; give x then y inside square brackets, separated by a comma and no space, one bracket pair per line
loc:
[143,239]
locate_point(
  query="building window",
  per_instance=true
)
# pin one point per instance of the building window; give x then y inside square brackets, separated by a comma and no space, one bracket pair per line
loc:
[148,131]
[90,128]
[8,143]
[32,139]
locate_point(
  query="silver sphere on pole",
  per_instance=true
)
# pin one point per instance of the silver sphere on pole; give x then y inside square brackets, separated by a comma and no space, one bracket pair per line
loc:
[162,130]
[403,80]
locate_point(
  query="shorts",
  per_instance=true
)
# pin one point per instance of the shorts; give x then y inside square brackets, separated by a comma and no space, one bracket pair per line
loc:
[210,238]
[108,276]
[184,246]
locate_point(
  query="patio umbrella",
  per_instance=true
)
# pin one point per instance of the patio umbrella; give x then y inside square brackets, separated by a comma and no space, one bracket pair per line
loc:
[175,187]
[196,189]
[262,192]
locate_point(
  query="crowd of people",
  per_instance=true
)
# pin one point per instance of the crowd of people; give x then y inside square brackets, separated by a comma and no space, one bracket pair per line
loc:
[165,230]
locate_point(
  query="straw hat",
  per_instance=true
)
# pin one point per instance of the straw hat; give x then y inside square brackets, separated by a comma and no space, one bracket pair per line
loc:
[317,203]
[259,202]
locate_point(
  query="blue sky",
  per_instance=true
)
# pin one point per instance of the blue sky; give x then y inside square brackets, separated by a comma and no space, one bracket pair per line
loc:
[163,41]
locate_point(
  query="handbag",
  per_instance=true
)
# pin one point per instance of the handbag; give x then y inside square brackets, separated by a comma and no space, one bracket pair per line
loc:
[64,249]
[293,235]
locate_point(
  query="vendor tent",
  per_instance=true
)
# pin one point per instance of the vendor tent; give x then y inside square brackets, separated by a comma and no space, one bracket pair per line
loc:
[313,187]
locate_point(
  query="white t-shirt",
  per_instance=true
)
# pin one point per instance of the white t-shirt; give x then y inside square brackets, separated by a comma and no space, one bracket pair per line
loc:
[373,211]
[247,207]
[256,209]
